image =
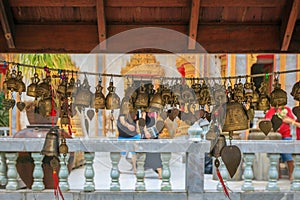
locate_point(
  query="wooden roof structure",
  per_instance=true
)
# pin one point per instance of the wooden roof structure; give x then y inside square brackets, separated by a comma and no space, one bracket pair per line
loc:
[220,26]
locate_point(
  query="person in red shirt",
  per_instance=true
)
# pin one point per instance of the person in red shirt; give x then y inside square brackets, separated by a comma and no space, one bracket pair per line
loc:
[285,113]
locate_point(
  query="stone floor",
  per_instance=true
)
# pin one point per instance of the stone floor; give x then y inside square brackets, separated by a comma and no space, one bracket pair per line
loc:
[102,168]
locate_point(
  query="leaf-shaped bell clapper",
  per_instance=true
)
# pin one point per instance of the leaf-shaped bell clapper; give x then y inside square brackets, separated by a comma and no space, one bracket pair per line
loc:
[63,86]
[21,87]
[236,117]
[278,96]
[296,91]
[142,99]
[112,100]
[32,88]
[156,102]
[44,88]
[99,102]
[51,144]
[204,95]
[11,82]
[83,97]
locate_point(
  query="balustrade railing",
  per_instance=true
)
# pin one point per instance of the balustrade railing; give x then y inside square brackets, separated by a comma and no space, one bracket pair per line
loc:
[195,155]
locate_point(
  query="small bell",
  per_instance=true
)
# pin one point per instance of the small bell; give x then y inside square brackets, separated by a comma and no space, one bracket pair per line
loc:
[112,100]
[263,103]
[296,91]
[219,95]
[71,89]
[83,97]
[32,88]
[51,144]
[166,95]
[63,147]
[20,84]
[278,96]
[11,81]
[64,120]
[142,98]
[177,90]
[44,88]
[156,102]
[197,90]
[62,88]
[204,94]
[238,93]
[248,92]
[99,102]
[188,94]
[126,106]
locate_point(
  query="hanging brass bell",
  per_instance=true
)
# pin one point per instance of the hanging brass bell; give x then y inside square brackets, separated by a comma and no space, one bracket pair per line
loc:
[142,99]
[21,87]
[188,94]
[64,120]
[99,102]
[126,106]
[278,96]
[62,88]
[71,89]
[112,100]
[236,117]
[264,102]
[296,91]
[83,97]
[45,106]
[11,81]
[197,89]
[44,88]
[156,102]
[166,95]
[219,95]
[176,91]
[239,93]
[51,144]
[63,147]
[248,92]
[204,94]
[32,88]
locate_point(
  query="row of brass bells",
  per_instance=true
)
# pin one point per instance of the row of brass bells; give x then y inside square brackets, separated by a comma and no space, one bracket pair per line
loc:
[112,100]
[32,88]
[99,102]
[278,96]
[84,96]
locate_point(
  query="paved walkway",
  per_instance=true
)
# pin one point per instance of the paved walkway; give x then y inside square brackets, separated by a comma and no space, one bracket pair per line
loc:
[102,167]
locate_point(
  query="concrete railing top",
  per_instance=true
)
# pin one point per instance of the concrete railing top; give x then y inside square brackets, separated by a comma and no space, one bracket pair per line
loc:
[8,144]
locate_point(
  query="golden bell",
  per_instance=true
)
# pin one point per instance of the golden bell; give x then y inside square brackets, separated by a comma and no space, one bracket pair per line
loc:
[239,92]
[156,102]
[204,94]
[166,95]
[197,89]
[11,81]
[62,88]
[248,92]
[51,143]
[44,88]
[236,117]
[45,106]
[31,89]
[142,99]
[296,91]
[188,94]
[126,106]
[219,95]
[99,101]
[112,100]
[63,147]
[71,89]
[278,96]
[177,90]
[264,102]
[20,84]
[83,97]
[64,120]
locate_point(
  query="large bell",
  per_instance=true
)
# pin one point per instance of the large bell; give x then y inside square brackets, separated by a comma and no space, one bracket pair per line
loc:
[44,88]
[142,98]
[51,144]
[296,91]
[236,117]
[112,100]
[278,96]
[31,89]
[99,102]
[83,97]
[156,102]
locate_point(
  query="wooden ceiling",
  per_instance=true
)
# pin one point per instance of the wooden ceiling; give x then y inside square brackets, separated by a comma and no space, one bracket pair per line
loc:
[220,26]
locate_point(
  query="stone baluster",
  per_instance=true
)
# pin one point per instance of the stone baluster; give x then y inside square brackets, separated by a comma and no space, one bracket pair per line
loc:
[140,172]
[38,173]
[3,169]
[224,174]
[296,174]
[115,173]
[64,172]
[273,173]
[12,174]
[166,172]
[248,172]
[89,185]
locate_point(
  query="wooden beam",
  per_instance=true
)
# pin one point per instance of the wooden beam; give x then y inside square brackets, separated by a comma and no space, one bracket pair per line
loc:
[6,22]
[147,3]
[194,24]
[101,23]
[214,39]
[288,24]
